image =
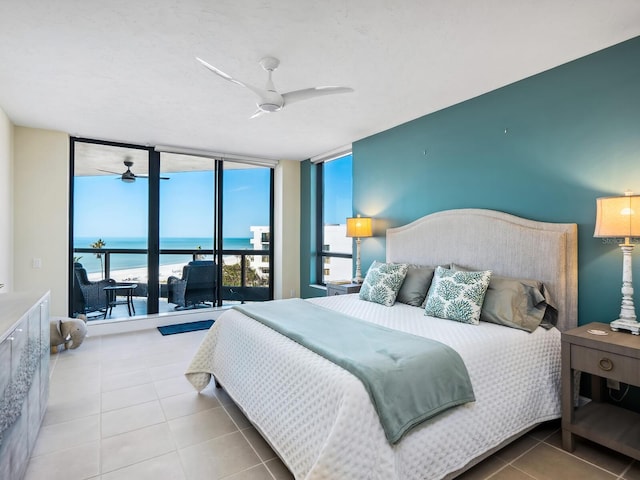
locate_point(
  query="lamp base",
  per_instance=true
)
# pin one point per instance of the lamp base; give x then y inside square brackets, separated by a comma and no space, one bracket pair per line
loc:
[357,280]
[626,324]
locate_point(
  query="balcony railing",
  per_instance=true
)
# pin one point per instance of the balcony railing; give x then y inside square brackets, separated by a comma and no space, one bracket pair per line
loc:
[242,292]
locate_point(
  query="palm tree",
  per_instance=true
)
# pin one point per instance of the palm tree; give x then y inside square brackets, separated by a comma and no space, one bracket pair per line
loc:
[99,244]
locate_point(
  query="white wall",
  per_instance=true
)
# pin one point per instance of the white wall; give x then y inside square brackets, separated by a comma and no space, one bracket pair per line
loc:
[41,213]
[6,203]
[287,230]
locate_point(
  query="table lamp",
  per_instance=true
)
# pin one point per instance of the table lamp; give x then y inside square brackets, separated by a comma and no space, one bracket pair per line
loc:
[618,217]
[358,227]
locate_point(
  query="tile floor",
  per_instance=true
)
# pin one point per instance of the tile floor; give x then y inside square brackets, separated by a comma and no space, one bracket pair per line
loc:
[120,408]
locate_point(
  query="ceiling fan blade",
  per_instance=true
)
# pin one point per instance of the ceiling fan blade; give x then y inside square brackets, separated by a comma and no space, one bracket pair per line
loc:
[307,93]
[262,93]
[257,114]
[109,171]
[147,176]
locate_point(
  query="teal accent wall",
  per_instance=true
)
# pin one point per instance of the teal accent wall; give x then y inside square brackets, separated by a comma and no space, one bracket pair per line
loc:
[542,148]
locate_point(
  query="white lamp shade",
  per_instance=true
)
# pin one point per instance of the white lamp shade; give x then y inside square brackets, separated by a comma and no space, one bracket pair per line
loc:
[618,216]
[359,227]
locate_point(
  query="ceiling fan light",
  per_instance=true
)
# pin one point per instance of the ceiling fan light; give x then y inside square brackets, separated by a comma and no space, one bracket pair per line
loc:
[127,179]
[269,107]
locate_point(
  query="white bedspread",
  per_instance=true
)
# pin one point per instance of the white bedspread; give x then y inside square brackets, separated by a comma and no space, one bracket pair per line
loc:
[319,417]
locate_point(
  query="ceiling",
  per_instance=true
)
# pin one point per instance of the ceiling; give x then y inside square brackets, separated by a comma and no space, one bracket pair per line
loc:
[125,70]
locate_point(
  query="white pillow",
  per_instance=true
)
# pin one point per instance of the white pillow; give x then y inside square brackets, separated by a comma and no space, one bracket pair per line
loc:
[457,295]
[382,282]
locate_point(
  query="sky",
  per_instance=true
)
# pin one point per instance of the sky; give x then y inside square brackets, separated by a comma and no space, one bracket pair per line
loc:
[338,186]
[104,206]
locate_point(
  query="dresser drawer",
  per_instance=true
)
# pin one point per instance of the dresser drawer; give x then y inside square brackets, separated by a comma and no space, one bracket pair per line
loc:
[606,364]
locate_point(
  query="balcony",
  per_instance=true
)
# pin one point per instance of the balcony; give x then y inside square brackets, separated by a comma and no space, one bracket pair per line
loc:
[243,275]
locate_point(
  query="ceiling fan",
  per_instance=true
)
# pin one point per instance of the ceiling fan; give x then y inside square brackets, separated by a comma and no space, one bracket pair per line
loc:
[269,100]
[128,176]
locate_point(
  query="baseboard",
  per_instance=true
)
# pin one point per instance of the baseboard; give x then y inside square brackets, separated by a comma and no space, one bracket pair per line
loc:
[145,322]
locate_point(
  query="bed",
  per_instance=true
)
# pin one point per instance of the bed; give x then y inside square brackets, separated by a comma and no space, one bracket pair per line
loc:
[319,418]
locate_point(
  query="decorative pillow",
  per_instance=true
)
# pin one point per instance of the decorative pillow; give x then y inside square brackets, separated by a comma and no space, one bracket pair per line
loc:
[413,290]
[424,302]
[457,295]
[382,282]
[517,303]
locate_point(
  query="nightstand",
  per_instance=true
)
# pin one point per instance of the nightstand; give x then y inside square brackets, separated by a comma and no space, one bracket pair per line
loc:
[614,356]
[342,288]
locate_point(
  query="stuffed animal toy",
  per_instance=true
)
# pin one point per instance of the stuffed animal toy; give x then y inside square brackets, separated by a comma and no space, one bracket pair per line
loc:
[69,332]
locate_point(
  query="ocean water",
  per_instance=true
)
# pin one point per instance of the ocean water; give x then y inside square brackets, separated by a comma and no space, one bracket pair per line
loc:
[125,261]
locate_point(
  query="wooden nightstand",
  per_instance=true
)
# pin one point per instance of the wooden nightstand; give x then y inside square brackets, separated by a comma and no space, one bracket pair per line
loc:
[342,288]
[615,356]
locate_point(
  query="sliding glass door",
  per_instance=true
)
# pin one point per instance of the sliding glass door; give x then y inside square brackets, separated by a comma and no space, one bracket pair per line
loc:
[246,233]
[188,275]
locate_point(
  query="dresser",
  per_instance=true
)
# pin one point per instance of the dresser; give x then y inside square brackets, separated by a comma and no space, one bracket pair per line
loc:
[24,377]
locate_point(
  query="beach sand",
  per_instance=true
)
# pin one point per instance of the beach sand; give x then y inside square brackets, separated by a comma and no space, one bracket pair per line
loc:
[139,275]
[134,275]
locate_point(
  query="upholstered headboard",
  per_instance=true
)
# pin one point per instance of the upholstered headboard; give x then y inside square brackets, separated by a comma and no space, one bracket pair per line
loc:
[491,240]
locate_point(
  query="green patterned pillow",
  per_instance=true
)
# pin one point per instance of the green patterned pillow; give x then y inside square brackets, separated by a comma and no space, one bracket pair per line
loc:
[382,282]
[457,295]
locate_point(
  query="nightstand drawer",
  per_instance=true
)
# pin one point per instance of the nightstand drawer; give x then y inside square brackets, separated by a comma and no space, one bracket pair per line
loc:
[606,364]
[333,291]
[342,288]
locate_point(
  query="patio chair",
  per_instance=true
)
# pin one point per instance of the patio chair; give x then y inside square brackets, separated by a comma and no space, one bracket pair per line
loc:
[89,296]
[196,287]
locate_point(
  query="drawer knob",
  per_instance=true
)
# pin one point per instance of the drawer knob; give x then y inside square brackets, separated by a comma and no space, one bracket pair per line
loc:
[606,364]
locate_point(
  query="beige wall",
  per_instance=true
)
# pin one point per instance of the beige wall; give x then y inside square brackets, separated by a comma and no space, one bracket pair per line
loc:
[6,203]
[40,209]
[287,230]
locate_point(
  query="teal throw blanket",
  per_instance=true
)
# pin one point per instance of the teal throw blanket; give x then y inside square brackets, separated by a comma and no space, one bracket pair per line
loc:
[409,378]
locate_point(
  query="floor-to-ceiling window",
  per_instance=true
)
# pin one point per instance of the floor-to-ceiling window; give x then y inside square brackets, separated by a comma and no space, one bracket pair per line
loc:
[334,248]
[156,232]
[110,214]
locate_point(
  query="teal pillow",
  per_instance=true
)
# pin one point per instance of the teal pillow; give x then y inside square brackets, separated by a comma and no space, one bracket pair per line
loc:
[382,282]
[457,295]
